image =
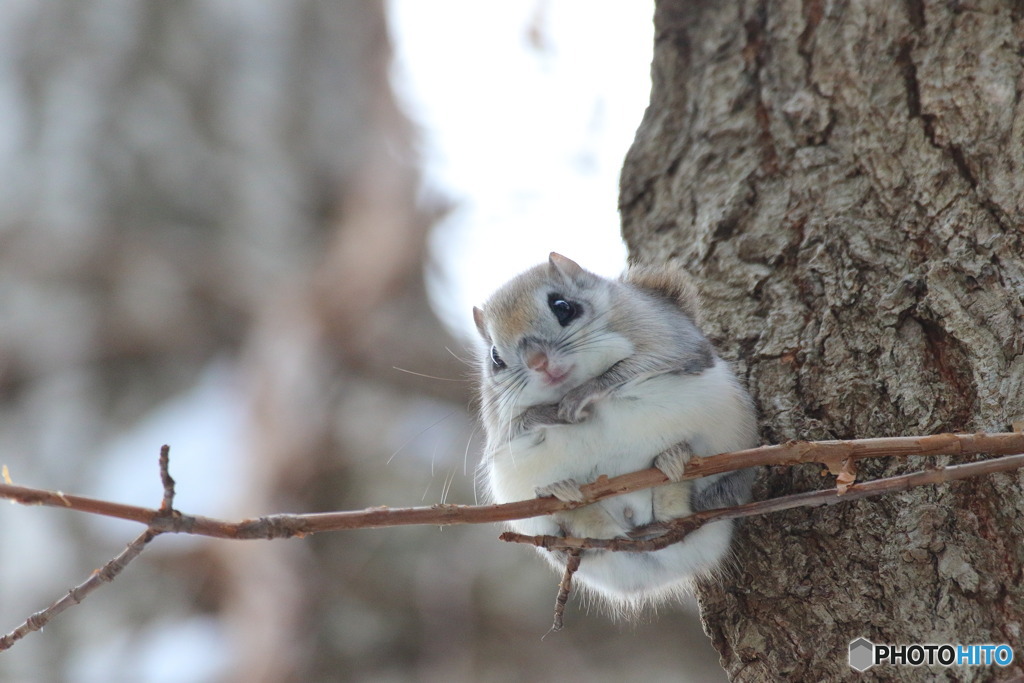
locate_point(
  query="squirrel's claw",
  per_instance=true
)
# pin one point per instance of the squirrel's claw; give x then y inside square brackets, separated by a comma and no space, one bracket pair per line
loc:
[567,490]
[575,406]
[672,461]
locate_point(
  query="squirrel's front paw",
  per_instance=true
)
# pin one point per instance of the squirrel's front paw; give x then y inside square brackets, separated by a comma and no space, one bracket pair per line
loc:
[567,490]
[575,406]
[672,461]
[545,415]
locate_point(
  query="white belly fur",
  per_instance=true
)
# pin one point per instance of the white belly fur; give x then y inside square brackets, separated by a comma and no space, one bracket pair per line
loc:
[624,433]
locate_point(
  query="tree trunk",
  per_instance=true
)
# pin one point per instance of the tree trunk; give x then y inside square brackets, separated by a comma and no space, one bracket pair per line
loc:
[846,179]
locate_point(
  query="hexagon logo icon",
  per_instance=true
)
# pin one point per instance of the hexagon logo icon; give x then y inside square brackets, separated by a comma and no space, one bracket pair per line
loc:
[862,654]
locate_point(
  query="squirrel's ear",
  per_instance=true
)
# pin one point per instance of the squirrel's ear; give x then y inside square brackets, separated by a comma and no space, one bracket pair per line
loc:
[478,318]
[564,265]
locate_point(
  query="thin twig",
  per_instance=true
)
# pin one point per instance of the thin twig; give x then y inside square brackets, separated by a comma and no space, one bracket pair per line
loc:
[108,572]
[677,530]
[572,563]
[831,453]
[77,594]
[167,504]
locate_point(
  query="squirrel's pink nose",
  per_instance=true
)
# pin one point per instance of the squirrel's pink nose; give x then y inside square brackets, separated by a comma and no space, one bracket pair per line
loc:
[537,360]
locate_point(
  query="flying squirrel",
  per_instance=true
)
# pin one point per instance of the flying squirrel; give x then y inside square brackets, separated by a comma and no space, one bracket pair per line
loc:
[582,376]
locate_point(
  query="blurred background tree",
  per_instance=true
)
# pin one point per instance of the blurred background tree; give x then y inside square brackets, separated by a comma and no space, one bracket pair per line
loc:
[213,234]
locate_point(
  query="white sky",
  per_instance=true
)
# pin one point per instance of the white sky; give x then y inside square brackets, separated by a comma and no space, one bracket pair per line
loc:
[526,109]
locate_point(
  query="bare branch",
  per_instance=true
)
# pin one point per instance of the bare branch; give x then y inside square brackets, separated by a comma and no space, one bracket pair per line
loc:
[677,530]
[830,453]
[839,456]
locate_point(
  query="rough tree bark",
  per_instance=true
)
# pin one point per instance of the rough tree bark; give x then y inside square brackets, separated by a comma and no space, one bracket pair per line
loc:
[847,181]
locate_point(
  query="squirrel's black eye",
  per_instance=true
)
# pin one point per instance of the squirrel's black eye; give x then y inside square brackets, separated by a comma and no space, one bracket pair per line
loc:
[566,311]
[496,359]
